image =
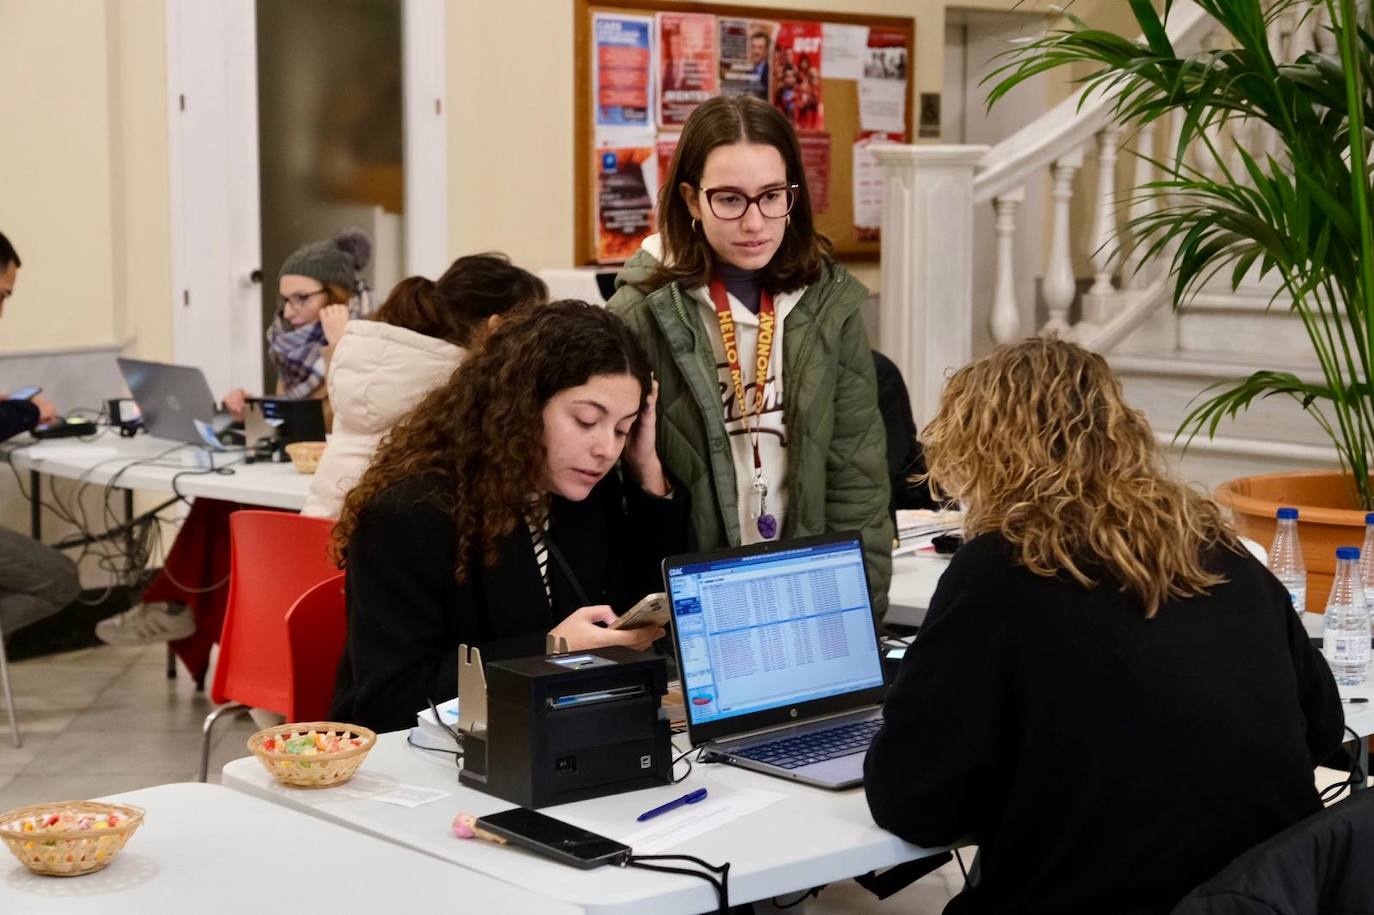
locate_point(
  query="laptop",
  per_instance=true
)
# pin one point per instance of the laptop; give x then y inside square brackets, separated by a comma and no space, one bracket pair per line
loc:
[175,402]
[779,656]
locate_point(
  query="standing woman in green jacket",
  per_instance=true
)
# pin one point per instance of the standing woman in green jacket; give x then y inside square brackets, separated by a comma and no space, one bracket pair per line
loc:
[768,408]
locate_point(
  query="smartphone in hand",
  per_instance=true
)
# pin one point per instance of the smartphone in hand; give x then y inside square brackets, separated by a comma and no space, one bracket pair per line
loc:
[651,611]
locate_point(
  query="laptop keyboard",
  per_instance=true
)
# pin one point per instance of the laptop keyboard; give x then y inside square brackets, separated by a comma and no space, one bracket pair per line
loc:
[814,747]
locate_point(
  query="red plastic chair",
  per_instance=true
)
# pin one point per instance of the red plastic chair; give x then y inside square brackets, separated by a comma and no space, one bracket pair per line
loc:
[274,559]
[315,630]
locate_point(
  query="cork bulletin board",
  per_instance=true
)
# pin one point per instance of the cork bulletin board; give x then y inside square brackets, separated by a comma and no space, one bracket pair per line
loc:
[843,79]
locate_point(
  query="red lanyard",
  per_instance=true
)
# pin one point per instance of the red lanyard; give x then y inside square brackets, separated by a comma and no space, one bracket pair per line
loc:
[764,354]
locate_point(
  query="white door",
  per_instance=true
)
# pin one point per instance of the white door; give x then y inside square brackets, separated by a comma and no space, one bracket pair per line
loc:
[212,61]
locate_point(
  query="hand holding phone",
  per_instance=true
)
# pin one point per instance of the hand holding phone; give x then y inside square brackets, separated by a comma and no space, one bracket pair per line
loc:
[651,611]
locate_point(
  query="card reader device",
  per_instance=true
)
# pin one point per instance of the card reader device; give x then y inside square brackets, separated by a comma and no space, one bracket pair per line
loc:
[564,728]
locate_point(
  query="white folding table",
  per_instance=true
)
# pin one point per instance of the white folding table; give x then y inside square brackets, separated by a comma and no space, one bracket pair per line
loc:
[206,849]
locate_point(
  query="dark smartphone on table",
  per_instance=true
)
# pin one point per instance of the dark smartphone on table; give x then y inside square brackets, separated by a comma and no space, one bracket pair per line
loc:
[26,393]
[563,842]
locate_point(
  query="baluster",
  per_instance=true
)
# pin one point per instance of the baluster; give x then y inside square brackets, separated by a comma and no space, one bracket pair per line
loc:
[1005,322]
[1104,221]
[1058,287]
[1142,205]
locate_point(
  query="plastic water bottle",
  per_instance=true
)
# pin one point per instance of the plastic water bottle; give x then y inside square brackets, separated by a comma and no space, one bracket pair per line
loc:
[1345,639]
[1367,564]
[1285,559]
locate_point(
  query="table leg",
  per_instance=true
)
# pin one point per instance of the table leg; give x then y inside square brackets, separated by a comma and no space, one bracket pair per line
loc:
[35,506]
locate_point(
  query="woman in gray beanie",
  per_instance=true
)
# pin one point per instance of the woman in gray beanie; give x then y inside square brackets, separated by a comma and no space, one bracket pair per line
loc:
[314,280]
[320,287]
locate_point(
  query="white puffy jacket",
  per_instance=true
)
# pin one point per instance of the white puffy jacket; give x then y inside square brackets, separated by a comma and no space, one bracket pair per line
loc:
[377,374]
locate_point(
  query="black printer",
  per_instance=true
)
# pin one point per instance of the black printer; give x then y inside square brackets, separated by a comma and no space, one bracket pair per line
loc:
[569,727]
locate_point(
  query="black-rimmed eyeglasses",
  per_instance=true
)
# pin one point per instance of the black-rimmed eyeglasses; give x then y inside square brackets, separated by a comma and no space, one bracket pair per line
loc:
[297,299]
[731,203]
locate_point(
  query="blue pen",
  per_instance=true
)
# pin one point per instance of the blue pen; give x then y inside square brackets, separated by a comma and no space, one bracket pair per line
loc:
[697,795]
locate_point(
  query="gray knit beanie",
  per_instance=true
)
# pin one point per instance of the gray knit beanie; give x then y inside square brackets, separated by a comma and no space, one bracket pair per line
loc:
[338,261]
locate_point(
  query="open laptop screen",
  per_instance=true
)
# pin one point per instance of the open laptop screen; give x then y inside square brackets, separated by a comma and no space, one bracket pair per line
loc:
[773,628]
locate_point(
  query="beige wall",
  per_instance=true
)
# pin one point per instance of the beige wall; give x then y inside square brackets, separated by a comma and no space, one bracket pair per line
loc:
[84,187]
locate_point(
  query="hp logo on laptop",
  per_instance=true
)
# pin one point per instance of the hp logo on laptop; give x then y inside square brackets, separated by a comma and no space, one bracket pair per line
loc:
[173,403]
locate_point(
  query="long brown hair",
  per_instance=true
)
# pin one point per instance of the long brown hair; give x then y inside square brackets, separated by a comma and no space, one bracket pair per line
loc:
[482,431]
[1038,442]
[471,290]
[723,121]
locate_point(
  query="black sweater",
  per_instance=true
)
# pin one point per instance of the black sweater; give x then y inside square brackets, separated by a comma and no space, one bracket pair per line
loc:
[407,613]
[1101,761]
[17,416]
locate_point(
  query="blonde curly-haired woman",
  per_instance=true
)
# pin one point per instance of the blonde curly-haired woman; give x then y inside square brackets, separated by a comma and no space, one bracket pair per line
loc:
[1110,697]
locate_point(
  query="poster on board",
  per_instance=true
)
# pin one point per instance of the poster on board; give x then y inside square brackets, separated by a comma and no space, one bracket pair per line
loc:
[624,201]
[746,45]
[868,185]
[687,65]
[623,71]
[883,88]
[796,76]
[815,153]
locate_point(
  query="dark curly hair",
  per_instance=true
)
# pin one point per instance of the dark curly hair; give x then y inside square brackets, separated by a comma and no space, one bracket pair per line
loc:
[482,431]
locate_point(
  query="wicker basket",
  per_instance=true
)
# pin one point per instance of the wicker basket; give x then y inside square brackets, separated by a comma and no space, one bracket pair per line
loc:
[305,456]
[61,850]
[320,770]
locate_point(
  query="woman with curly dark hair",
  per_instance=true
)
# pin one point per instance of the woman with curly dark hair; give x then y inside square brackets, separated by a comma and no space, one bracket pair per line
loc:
[495,514]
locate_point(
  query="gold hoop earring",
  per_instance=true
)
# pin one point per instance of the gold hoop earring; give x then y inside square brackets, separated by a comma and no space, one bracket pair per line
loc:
[787,222]
[694,225]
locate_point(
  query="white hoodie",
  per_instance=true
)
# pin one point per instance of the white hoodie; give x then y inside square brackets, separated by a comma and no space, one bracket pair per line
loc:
[377,374]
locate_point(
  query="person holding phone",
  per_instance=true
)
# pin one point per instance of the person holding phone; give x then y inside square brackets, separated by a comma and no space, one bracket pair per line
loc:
[757,338]
[523,498]
[36,581]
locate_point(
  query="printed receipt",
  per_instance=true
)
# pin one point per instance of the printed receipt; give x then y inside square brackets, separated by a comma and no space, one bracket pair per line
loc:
[688,822]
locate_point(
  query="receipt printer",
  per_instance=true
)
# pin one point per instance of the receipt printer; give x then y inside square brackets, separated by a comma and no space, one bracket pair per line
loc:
[569,727]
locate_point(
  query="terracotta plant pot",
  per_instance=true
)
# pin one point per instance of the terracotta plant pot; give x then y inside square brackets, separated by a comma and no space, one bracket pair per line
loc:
[1328,517]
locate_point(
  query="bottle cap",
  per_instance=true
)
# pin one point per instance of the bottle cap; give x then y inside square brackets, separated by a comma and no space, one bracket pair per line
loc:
[1369,518]
[1287,514]
[1347,552]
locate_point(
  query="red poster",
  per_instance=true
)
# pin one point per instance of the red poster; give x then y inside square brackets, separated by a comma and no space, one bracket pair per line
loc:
[815,151]
[687,65]
[624,207]
[796,74]
[666,146]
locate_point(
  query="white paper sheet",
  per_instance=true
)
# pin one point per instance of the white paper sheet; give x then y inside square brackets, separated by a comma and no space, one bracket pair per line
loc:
[842,50]
[882,105]
[677,826]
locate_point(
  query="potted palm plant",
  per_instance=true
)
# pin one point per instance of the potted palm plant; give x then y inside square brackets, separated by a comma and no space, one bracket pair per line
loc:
[1298,214]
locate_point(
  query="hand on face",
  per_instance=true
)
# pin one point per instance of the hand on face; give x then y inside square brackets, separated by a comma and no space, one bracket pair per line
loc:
[582,632]
[585,431]
[749,168]
[334,320]
[641,449]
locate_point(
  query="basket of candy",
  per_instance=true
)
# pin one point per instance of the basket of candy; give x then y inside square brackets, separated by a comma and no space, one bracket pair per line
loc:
[314,754]
[305,456]
[70,838]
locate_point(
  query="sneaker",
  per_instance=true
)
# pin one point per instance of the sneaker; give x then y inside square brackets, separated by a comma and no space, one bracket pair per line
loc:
[144,624]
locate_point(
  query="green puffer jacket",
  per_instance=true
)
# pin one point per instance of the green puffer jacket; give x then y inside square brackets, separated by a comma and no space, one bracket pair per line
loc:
[836,458]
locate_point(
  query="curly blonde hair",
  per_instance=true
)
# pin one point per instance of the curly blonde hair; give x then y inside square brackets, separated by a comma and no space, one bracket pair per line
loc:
[482,431]
[1039,444]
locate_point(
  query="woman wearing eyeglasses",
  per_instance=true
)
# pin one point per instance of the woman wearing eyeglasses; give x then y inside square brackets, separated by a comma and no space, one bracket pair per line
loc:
[320,288]
[768,406]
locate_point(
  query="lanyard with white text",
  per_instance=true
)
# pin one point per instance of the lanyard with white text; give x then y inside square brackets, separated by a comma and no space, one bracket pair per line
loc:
[767,524]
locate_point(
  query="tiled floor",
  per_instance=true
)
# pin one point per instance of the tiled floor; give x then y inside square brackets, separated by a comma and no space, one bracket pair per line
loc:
[104,720]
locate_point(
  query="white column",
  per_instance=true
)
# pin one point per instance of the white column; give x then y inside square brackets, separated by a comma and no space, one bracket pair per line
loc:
[1005,322]
[1058,287]
[1104,216]
[926,318]
[1142,204]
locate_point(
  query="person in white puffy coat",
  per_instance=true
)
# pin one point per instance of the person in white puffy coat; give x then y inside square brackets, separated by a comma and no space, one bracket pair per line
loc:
[382,367]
